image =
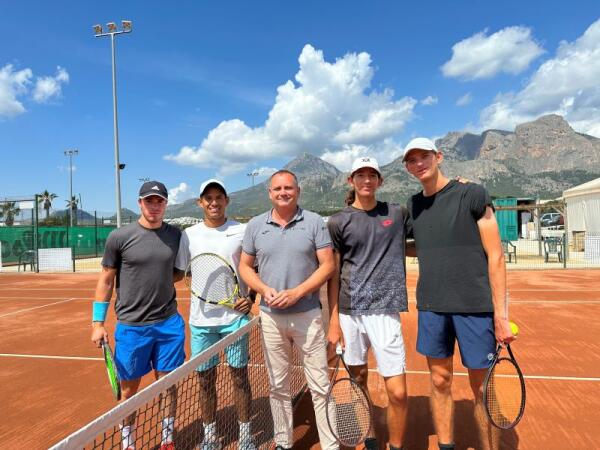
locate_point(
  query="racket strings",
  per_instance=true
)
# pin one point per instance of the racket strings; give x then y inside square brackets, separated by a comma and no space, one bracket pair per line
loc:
[352,411]
[504,394]
[211,280]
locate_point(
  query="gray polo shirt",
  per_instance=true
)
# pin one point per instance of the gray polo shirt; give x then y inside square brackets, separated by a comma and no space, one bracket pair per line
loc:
[286,256]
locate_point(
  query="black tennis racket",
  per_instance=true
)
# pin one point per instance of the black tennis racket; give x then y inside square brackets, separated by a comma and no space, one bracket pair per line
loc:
[504,390]
[349,411]
[111,370]
[212,280]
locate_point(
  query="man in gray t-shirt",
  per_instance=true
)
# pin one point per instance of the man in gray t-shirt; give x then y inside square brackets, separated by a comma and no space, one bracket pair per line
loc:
[293,251]
[139,260]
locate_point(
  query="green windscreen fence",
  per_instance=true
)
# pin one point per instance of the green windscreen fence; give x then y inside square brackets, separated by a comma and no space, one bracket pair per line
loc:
[507,219]
[86,241]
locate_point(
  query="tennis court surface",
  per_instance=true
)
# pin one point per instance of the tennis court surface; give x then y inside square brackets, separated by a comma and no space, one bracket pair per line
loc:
[54,381]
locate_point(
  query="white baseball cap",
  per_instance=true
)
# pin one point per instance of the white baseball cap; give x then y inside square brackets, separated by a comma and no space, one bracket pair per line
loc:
[419,143]
[207,183]
[365,161]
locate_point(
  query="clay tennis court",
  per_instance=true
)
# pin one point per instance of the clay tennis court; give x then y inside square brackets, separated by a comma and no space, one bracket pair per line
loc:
[54,381]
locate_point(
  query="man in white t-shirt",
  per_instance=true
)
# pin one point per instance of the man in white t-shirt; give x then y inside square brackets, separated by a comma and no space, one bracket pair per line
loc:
[210,323]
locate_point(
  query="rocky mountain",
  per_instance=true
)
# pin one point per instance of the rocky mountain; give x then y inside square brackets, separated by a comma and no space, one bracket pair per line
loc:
[539,159]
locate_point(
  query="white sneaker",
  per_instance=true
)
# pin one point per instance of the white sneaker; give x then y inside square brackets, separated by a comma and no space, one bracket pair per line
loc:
[211,443]
[246,444]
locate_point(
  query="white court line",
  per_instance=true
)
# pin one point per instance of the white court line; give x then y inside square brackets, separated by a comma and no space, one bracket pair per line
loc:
[411,372]
[36,307]
[40,298]
[77,358]
[527,377]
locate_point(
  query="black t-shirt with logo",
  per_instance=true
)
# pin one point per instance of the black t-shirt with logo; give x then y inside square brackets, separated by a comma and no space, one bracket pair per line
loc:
[453,266]
[371,246]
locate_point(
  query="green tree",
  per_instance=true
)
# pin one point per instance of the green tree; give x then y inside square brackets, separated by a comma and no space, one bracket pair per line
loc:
[45,199]
[9,211]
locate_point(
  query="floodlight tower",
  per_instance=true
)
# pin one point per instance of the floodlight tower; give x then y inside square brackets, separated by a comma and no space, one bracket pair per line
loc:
[112,32]
[70,154]
[253,174]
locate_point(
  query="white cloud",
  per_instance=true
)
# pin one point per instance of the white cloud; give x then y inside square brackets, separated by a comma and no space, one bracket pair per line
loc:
[180,193]
[509,50]
[566,84]
[330,107]
[49,87]
[464,100]
[429,100]
[13,84]
[384,152]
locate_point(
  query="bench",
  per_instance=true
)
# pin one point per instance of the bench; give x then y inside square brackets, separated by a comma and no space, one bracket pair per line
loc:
[510,250]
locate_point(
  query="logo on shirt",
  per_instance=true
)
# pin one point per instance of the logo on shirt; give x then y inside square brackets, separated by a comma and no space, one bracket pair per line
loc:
[387,222]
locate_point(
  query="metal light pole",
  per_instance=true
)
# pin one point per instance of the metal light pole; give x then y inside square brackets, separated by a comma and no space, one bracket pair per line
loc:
[253,174]
[112,32]
[70,154]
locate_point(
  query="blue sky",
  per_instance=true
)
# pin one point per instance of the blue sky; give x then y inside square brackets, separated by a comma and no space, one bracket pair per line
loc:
[223,88]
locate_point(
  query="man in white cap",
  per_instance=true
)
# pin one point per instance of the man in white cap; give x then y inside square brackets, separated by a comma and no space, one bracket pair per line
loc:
[210,323]
[368,290]
[150,333]
[461,292]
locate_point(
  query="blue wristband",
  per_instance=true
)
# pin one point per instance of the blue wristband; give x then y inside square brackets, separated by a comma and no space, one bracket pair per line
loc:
[99,311]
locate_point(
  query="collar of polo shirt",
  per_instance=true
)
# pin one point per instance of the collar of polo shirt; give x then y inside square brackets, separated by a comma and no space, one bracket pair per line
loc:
[298,216]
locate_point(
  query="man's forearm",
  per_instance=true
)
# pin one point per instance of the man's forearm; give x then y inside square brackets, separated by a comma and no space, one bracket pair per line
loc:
[497,276]
[251,278]
[316,280]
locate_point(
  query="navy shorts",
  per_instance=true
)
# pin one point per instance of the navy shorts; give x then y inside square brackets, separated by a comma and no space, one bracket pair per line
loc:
[474,333]
[141,348]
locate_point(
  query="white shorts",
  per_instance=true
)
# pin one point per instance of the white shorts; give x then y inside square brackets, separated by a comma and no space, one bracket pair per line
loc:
[382,332]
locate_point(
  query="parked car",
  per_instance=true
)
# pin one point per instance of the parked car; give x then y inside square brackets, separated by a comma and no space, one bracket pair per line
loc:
[552,219]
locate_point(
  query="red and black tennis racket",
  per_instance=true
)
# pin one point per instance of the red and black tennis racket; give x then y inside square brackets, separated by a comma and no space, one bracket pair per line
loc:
[504,390]
[349,411]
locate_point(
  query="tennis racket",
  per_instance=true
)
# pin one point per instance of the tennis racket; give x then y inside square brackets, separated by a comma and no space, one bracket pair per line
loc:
[111,370]
[504,390]
[348,407]
[212,280]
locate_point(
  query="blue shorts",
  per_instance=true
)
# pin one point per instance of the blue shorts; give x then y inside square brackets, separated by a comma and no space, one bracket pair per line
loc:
[474,333]
[236,353]
[141,348]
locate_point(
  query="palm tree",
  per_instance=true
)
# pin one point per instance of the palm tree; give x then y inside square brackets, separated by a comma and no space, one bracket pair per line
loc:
[45,198]
[9,211]
[72,205]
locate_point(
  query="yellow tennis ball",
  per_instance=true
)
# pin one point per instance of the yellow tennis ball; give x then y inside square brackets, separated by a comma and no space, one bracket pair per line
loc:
[514,328]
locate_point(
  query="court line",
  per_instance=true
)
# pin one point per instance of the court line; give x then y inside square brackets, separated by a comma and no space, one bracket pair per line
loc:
[77,358]
[35,307]
[527,377]
[410,372]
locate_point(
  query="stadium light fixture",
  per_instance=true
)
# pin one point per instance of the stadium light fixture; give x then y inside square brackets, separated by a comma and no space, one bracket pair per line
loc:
[253,174]
[113,30]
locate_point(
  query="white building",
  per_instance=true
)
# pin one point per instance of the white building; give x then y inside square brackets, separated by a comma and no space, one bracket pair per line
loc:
[583,217]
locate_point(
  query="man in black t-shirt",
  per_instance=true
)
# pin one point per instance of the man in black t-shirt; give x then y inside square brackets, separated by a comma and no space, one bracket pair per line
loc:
[461,292]
[368,290]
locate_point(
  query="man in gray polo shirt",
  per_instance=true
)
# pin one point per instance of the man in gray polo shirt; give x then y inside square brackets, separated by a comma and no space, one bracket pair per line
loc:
[293,251]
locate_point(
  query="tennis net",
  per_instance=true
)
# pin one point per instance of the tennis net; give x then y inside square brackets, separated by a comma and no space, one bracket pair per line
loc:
[180,395]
